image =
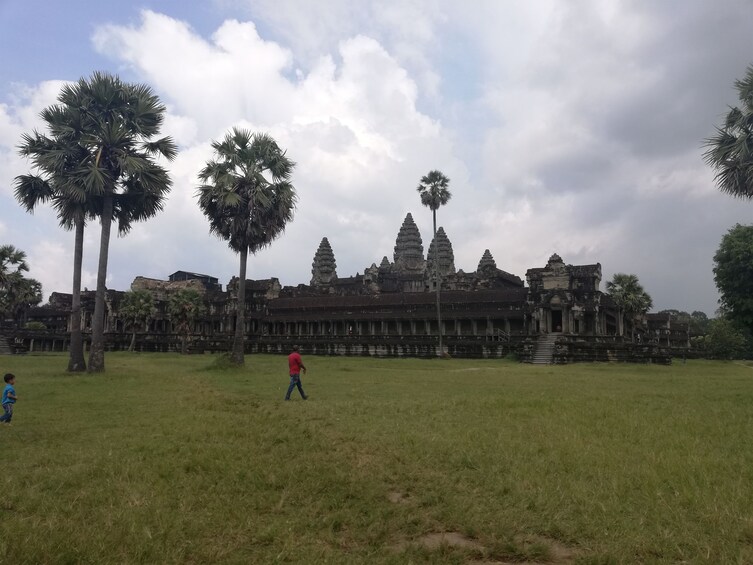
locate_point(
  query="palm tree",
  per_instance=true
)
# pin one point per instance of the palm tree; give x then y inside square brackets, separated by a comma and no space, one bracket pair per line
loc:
[730,151]
[183,307]
[248,199]
[74,206]
[434,193]
[22,296]
[12,265]
[630,297]
[137,307]
[115,124]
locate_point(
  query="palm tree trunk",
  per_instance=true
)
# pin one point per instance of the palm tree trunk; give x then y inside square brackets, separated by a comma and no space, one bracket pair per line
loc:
[240,316]
[76,361]
[97,352]
[436,281]
[132,347]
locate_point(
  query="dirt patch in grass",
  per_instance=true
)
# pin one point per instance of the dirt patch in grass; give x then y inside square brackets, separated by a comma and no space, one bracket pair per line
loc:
[519,550]
[559,552]
[530,550]
[398,497]
[435,540]
[522,550]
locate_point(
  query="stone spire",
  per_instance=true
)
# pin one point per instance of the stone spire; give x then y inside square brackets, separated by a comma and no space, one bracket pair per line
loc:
[487,261]
[324,268]
[446,256]
[409,250]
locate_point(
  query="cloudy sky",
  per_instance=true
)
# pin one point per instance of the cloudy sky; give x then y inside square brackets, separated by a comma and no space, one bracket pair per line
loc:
[569,127]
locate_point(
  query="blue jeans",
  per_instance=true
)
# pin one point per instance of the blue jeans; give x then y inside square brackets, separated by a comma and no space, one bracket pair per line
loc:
[8,412]
[295,381]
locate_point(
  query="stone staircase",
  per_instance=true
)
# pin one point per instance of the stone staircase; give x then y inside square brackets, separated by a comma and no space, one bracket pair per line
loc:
[544,350]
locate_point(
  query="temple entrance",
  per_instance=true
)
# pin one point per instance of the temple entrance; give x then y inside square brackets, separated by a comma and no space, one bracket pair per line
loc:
[556,321]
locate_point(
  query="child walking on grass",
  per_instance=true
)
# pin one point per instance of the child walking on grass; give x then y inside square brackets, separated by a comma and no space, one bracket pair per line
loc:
[9,397]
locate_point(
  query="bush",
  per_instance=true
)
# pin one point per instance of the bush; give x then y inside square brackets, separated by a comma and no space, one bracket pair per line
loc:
[34,326]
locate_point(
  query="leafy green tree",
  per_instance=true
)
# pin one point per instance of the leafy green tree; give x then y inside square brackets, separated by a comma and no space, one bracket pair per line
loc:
[724,340]
[137,308]
[629,296]
[115,126]
[699,323]
[248,198]
[733,274]
[730,151]
[434,192]
[183,307]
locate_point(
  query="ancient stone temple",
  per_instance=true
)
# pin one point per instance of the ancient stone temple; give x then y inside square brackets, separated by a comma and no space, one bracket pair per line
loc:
[390,310]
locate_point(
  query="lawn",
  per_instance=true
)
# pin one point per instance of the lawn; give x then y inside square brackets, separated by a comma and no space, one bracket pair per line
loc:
[170,459]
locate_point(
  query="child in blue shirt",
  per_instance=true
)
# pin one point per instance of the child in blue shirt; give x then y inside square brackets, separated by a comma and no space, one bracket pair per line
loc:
[9,397]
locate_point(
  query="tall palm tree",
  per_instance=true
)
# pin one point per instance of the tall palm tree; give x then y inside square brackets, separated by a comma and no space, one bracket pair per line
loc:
[248,199]
[730,150]
[434,193]
[630,297]
[55,160]
[116,124]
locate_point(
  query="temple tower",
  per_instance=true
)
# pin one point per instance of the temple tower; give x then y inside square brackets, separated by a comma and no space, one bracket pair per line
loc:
[446,256]
[324,267]
[487,262]
[409,250]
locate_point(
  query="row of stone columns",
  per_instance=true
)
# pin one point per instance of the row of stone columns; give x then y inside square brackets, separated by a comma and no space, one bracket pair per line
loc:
[395,326]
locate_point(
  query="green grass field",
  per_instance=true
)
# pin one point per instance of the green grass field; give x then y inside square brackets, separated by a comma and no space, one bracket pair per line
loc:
[165,459]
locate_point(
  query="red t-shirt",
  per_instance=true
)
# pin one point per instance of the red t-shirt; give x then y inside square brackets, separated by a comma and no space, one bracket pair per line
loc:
[295,362]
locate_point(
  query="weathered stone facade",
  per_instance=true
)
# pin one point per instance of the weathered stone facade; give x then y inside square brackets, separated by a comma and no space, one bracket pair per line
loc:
[390,310]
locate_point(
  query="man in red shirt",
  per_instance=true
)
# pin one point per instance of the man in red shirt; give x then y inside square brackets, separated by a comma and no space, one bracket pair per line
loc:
[296,364]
